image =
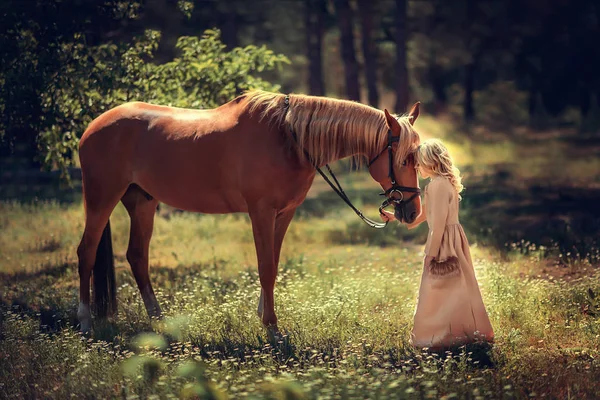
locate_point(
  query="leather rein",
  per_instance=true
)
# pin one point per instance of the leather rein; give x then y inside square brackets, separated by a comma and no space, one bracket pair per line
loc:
[337,188]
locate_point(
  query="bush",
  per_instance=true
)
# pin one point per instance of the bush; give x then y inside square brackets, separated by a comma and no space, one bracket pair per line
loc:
[95,79]
[205,75]
[501,105]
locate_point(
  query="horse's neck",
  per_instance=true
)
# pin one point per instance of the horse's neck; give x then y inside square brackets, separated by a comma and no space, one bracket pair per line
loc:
[342,150]
[346,145]
[328,135]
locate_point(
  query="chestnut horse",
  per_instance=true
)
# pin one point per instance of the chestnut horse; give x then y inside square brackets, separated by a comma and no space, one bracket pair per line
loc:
[256,154]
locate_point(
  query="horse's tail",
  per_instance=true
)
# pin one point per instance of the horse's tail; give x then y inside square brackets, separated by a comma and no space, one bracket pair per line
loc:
[105,292]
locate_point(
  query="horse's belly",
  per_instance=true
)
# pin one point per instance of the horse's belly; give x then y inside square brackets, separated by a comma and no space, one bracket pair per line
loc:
[217,174]
[194,196]
[210,203]
[192,175]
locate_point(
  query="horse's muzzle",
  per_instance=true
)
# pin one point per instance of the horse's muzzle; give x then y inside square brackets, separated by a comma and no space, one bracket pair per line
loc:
[405,211]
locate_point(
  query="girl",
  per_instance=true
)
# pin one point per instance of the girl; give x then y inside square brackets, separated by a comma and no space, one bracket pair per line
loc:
[450,310]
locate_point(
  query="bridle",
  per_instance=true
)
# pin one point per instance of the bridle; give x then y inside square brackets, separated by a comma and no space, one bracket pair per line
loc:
[395,188]
[337,188]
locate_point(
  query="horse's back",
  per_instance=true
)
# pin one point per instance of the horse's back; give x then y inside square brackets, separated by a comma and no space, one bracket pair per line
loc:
[210,161]
[132,111]
[164,150]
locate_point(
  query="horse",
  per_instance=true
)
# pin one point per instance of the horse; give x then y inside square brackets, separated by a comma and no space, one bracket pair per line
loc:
[256,154]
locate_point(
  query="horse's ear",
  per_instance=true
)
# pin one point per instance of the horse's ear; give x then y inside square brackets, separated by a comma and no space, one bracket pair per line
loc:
[392,122]
[414,113]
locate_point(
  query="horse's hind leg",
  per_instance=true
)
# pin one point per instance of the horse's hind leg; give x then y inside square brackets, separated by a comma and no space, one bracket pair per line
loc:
[97,213]
[86,252]
[141,208]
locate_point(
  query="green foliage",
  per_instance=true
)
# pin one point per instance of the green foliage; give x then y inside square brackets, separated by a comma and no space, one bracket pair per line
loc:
[204,75]
[37,37]
[59,71]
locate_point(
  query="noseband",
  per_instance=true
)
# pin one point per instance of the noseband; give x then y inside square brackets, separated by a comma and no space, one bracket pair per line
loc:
[395,188]
[337,188]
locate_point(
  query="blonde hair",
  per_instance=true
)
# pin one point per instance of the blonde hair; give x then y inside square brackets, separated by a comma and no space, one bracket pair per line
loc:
[433,155]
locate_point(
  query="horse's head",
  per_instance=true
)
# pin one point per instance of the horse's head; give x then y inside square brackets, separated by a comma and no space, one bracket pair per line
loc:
[394,167]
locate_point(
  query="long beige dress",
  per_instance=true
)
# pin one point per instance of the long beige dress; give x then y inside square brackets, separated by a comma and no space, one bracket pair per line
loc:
[450,310]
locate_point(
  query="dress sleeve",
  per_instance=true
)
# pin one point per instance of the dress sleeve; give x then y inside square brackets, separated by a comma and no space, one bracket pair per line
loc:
[439,202]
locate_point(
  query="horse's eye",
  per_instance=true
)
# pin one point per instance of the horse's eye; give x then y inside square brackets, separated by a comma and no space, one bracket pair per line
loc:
[404,163]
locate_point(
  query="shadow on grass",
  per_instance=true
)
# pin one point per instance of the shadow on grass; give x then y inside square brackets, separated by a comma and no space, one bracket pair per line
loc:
[477,355]
[40,296]
[46,271]
[49,296]
[501,209]
[32,294]
[56,191]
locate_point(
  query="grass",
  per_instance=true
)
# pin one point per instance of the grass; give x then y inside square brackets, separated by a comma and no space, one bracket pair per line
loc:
[345,296]
[345,305]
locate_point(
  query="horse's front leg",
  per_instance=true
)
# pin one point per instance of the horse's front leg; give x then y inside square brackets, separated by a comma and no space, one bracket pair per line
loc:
[282,222]
[263,228]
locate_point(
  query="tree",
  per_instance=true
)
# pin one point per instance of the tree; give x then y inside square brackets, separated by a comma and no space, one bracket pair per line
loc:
[471,66]
[402,88]
[35,41]
[101,77]
[315,11]
[557,60]
[344,16]
[369,50]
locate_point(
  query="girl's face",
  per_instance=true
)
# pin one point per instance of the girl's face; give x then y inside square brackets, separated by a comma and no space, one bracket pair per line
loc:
[424,171]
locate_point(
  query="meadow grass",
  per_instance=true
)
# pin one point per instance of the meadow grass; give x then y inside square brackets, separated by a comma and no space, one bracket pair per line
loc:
[345,294]
[345,298]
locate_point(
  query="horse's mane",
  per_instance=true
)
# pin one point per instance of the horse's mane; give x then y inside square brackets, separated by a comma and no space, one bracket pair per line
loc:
[323,125]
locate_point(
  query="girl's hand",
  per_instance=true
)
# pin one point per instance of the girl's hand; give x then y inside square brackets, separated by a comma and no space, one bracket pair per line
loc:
[387,216]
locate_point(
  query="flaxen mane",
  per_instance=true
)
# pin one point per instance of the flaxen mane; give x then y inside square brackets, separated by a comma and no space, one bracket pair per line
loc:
[323,126]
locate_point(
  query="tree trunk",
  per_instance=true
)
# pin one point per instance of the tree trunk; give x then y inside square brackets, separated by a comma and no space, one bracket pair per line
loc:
[469,83]
[166,16]
[230,29]
[435,72]
[315,10]
[585,100]
[468,111]
[344,16]
[438,84]
[402,90]
[531,104]
[369,50]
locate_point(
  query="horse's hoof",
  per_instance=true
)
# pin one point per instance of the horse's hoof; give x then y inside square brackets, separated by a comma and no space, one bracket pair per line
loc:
[275,336]
[85,326]
[155,314]
[85,319]
[260,309]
